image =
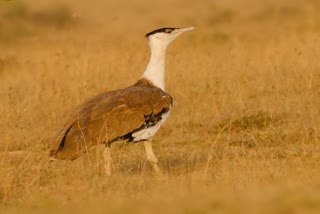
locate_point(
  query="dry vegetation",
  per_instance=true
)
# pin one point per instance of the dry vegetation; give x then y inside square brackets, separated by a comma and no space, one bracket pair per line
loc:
[244,134]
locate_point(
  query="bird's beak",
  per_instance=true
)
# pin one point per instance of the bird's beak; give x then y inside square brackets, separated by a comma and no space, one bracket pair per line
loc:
[184,29]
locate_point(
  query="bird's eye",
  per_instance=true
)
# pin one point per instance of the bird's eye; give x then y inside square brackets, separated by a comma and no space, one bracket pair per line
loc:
[168,30]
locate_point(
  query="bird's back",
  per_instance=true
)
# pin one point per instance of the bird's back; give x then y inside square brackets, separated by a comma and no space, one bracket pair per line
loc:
[111,116]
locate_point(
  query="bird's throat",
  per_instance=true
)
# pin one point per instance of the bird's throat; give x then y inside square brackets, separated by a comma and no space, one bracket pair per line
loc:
[155,71]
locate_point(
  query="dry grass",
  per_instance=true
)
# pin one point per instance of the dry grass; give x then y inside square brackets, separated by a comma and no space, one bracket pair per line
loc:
[244,134]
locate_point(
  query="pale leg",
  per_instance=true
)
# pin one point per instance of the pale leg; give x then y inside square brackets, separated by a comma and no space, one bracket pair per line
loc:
[151,157]
[107,159]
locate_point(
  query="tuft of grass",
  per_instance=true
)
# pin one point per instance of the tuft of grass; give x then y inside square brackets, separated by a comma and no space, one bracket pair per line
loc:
[253,121]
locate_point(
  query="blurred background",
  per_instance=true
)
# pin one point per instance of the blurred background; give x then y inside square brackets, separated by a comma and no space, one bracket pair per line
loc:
[219,20]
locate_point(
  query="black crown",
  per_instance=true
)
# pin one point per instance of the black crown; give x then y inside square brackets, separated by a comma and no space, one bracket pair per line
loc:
[161,30]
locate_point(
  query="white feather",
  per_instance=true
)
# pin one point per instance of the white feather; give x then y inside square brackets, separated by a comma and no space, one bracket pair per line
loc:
[148,133]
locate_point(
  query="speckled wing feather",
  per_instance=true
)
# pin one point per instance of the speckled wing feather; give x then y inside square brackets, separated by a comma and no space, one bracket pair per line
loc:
[110,116]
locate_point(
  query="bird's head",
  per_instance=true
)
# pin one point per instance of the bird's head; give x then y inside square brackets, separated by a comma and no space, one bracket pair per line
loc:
[164,36]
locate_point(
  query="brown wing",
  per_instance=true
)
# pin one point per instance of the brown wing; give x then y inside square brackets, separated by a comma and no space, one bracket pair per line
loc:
[108,117]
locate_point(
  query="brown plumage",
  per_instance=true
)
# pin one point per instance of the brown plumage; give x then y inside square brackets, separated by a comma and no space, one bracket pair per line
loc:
[111,116]
[133,114]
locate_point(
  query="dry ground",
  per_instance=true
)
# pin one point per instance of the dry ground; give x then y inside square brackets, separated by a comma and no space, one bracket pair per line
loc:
[244,134]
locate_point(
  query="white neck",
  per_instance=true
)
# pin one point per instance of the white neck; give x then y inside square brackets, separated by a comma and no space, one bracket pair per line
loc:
[155,71]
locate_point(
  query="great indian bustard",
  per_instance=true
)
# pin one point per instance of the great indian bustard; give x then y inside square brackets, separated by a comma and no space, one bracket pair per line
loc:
[132,114]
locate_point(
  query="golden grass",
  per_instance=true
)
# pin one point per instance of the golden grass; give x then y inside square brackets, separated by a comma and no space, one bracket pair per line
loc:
[244,134]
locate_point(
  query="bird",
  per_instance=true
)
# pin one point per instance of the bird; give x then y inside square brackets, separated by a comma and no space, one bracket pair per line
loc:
[131,114]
